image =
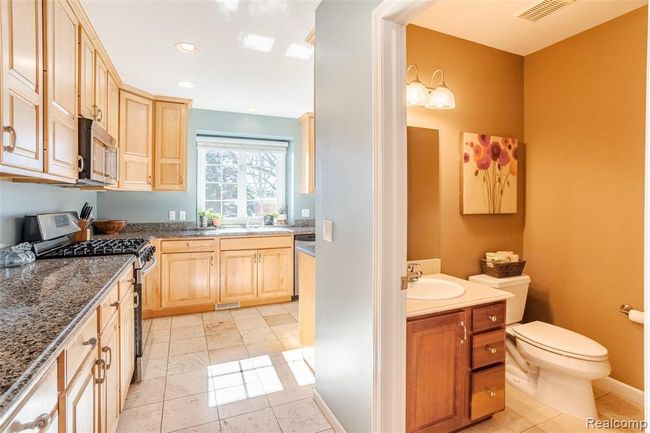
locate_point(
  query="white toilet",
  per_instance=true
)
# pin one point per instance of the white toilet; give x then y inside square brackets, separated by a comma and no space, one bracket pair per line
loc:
[552,364]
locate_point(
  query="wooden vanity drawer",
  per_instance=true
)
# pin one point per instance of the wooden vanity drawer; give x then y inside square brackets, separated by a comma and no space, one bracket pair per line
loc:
[188,245]
[108,308]
[84,342]
[40,402]
[488,317]
[256,243]
[488,392]
[488,348]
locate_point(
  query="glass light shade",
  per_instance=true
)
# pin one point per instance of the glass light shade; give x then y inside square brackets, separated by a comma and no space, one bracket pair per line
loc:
[416,94]
[441,98]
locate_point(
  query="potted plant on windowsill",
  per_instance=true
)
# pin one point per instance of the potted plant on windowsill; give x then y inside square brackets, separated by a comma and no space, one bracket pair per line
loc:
[204,217]
[216,219]
[269,218]
[281,218]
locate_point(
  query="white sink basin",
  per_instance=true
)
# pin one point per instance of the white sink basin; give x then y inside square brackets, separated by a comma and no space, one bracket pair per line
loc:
[427,289]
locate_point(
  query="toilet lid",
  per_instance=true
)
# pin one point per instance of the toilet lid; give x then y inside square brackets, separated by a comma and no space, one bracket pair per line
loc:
[559,340]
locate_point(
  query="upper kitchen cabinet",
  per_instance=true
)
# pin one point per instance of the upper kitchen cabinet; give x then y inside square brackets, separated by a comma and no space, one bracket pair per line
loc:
[113,108]
[61,75]
[101,90]
[308,172]
[135,142]
[170,146]
[87,107]
[21,108]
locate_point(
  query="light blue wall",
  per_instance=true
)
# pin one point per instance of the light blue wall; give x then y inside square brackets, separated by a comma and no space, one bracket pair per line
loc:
[20,199]
[153,206]
[344,155]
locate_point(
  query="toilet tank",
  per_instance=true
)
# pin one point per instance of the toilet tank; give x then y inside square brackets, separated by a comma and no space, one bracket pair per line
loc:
[518,286]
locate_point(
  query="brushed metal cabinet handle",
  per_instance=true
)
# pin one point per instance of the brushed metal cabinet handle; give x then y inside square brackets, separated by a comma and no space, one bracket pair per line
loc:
[108,351]
[101,364]
[12,143]
[41,423]
[92,341]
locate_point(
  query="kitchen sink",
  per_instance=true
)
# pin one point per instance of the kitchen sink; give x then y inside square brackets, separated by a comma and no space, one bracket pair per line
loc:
[429,289]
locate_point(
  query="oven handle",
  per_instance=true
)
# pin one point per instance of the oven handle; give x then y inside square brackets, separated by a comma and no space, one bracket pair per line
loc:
[150,265]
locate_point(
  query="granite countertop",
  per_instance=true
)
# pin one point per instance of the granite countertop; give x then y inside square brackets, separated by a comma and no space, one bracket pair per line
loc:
[475,294]
[307,248]
[41,304]
[155,232]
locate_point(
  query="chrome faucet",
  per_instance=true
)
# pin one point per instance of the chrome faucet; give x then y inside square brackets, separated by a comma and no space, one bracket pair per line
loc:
[413,272]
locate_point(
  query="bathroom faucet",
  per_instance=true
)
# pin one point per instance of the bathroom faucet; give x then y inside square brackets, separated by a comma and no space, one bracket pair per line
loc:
[413,272]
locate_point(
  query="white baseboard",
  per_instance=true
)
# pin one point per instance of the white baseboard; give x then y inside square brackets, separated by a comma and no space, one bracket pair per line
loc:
[626,391]
[329,415]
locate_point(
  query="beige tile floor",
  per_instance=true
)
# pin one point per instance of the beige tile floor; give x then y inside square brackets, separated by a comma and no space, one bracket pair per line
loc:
[241,371]
[237,371]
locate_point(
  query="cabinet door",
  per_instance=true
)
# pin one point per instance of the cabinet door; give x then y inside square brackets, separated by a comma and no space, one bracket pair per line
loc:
[151,284]
[436,373]
[238,276]
[110,393]
[87,107]
[127,341]
[113,108]
[61,123]
[136,142]
[275,273]
[188,279]
[22,84]
[80,402]
[170,147]
[101,90]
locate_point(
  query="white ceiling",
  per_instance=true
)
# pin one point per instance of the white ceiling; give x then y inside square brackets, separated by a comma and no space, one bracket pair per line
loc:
[493,22]
[139,36]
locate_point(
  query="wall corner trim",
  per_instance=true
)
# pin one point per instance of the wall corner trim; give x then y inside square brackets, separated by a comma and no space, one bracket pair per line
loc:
[628,392]
[329,415]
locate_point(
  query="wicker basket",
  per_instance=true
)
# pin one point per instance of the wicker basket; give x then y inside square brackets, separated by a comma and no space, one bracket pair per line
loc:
[502,270]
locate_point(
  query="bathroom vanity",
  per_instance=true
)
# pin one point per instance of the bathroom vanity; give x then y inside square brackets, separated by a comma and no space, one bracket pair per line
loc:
[455,362]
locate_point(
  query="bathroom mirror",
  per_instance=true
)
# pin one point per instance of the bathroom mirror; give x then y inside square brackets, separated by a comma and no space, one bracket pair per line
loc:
[423,233]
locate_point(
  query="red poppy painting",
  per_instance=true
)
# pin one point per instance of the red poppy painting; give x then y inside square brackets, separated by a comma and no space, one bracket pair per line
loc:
[489,174]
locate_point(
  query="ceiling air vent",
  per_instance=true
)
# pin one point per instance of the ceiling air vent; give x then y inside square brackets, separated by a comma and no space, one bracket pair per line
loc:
[542,9]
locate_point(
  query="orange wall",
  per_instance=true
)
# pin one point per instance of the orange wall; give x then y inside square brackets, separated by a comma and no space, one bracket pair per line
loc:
[584,105]
[489,99]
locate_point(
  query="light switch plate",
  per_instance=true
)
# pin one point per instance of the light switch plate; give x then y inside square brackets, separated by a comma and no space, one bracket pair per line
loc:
[305,213]
[182,215]
[172,215]
[328,231]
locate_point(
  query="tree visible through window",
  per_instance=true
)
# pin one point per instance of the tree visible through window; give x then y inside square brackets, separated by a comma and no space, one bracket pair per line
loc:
[240,181]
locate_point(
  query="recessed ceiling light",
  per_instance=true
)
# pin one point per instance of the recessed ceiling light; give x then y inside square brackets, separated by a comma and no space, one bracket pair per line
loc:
[251,109]
[186,47]
[257,42]
[186,84]
[299,51]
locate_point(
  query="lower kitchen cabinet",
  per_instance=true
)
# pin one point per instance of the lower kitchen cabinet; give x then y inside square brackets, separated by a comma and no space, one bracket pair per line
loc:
[79,404]
[110,382]
[127,342]
[275,273]
[238,276]
[455,372]
[188,279]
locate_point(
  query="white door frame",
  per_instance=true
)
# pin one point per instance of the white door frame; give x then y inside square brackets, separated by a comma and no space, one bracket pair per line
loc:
[389,21]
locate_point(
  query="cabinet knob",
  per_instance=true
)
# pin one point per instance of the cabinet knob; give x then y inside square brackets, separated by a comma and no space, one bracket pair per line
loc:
[116,304]
[491,393]
[492,318]
[12,143]
[92,341]
[491,350]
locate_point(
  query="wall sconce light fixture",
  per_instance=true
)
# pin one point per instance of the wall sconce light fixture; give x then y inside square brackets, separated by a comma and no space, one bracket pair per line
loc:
[438,97]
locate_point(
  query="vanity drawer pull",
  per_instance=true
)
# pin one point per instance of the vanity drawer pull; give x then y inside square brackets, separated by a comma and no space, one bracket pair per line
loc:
[491,393]
[488,392]
[492,318]
[491,350]
[488,317]
[488,348]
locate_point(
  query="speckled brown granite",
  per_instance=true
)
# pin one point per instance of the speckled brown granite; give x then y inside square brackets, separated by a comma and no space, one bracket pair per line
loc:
[153,232]
[309,249]
[41,305]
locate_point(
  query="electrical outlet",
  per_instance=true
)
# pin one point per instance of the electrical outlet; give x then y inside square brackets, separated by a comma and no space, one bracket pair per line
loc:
[172,215]
[182,215]
[305,213]
[328,230]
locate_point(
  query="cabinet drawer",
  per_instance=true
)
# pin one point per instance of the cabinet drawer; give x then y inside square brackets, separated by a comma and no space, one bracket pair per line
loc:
[488,348]
[256,243]
[81,345]
[125,284]
[491,316]
[187,245]
[108,308]
[488,392]
[41,402]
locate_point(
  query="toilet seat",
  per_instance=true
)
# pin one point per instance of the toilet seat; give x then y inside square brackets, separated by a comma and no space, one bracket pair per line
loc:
[560,341]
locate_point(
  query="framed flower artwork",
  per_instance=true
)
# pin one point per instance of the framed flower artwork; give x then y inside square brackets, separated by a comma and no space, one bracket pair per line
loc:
[489,174]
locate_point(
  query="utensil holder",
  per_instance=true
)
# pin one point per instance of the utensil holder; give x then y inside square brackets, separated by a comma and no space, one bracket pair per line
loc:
[84,231]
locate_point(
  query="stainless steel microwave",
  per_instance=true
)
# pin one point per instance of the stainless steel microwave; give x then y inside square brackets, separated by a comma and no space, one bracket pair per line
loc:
[98,160]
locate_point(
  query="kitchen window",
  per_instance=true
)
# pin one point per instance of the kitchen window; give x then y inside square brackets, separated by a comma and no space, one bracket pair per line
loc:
[241,179]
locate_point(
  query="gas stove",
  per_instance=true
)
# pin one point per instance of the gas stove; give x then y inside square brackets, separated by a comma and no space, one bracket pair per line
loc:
[100,247]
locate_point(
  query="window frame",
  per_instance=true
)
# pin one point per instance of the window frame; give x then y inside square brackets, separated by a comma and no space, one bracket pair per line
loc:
[240,146]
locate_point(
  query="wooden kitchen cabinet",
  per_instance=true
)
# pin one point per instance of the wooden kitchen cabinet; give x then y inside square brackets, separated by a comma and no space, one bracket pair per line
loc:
[275,273]
[188,279]
[238,276]
[136,142]
[21,107]
[110,385]
[170,146]
[87,107]
[61,123]
[455,368]
[79,405]
[113,108]
[101,91]
[127,338]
